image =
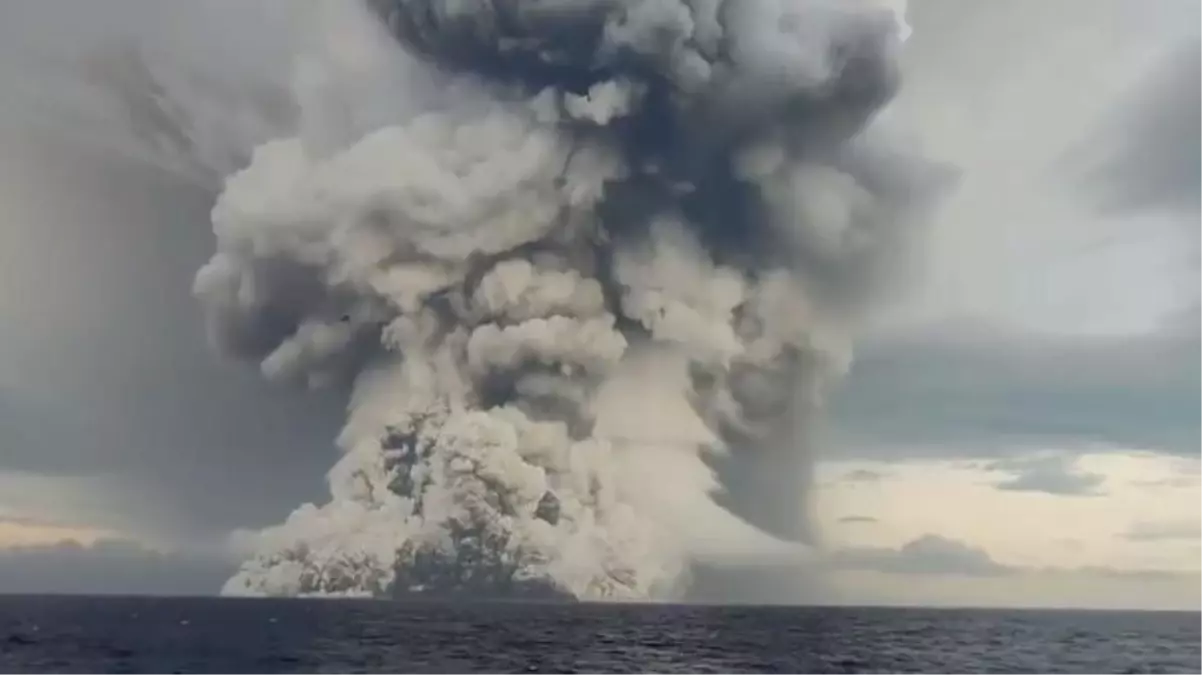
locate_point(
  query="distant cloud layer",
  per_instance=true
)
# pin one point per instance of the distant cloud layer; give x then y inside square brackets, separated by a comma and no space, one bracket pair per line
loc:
[935,555]
[971,390]
[864,476]
[1055,474]
[858,520]
[109,566]
[930,554]
[1179,530]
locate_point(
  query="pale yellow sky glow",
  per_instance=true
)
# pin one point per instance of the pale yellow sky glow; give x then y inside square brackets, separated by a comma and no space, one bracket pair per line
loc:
[16,534]
[958,499]
[1130,540]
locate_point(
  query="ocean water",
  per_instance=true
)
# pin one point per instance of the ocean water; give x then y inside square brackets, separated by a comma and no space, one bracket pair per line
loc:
[93,634]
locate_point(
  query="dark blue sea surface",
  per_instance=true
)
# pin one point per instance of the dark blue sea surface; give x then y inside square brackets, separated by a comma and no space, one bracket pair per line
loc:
[92,634]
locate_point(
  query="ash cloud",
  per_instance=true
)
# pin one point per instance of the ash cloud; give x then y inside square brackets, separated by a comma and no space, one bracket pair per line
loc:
[516,228]
[1149,156]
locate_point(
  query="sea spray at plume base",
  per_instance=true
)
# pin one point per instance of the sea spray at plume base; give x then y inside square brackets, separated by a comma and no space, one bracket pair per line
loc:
[513,210]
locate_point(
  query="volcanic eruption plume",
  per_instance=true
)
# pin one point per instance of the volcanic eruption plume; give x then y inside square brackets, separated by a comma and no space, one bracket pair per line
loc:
[590,266]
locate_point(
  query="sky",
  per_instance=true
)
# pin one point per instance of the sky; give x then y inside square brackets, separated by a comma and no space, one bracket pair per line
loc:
[1020,427]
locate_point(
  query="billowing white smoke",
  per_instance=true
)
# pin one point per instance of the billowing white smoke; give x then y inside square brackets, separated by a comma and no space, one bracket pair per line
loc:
[590,265]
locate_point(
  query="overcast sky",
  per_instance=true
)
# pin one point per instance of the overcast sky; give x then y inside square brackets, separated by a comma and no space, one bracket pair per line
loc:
[1022,428]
